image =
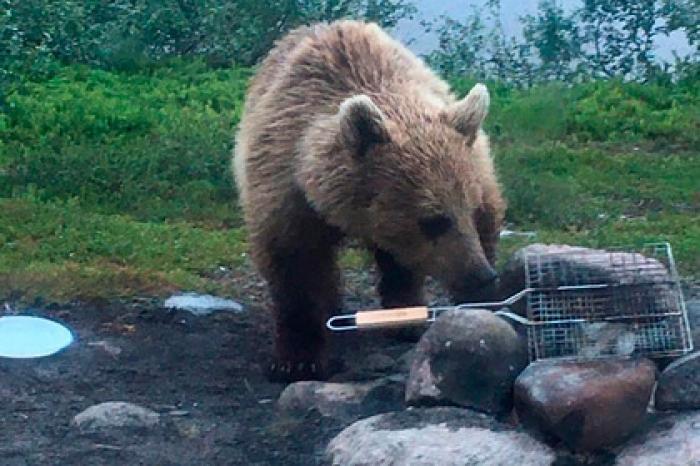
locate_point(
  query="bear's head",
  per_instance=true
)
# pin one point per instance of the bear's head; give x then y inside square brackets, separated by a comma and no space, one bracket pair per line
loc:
[412,178]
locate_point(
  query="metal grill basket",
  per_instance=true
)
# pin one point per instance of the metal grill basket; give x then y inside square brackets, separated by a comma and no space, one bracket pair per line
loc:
[616,302]
[582,304]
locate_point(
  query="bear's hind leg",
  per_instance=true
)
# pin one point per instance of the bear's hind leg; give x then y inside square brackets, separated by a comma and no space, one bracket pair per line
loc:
[304,286]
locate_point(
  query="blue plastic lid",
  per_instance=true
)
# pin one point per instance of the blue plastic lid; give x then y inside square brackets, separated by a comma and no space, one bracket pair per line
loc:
[31,337]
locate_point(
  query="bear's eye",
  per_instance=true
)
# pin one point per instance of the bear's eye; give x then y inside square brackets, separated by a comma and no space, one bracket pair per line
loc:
[435,226]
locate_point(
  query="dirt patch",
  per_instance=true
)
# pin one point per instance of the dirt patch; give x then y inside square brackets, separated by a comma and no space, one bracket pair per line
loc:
[204,375]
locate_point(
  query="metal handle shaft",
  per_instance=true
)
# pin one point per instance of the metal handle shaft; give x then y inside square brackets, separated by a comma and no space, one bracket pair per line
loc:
[413,315]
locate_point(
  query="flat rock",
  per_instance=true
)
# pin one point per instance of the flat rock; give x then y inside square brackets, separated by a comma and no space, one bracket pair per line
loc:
[587,405]
[468,358]
[115,414]
[674,441]
[343,400]
[435,436]
[201,305]
[679,385]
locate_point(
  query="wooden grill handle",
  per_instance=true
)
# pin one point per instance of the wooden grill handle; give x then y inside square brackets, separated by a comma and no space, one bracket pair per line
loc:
[391,317]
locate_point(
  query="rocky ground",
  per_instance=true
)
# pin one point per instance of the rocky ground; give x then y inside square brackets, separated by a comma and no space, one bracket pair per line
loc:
[200,381]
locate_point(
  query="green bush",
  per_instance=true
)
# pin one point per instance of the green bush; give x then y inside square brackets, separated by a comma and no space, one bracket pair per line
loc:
[559,187]
[616,111]
[145,144]
[600,111]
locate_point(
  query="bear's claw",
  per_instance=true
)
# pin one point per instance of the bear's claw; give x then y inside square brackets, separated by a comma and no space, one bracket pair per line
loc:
[287,371]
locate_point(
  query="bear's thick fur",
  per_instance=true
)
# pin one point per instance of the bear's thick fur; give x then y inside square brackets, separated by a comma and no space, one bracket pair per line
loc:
[346,133]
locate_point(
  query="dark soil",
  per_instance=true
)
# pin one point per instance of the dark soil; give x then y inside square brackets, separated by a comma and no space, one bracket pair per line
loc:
[207,371]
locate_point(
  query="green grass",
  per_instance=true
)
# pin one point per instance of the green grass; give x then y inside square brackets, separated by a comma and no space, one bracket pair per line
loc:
[659,116]
[61,251]
[115,185]
[602,198]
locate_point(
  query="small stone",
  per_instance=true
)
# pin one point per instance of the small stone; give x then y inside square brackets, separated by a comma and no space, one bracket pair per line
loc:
[115,414]
[671,441]
[469,358]
[444,436]
[328,398]
[107,347]
[343,400]
[187,428]
[201,305]
[587,405]
[679,385]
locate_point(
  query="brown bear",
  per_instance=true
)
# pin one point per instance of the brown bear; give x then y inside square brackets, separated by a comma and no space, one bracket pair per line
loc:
[345,133]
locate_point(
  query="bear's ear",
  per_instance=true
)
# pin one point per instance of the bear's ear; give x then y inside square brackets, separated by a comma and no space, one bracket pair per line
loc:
[467,115]
[362,124]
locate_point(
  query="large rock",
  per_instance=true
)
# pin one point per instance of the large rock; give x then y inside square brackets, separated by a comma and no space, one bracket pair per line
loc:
[435,436]
[679,385]
[587,405]
[674,441]
[469,358]
[344,400]
[113,414]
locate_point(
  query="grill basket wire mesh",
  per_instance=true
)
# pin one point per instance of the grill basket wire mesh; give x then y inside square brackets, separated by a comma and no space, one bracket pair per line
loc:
[640,311]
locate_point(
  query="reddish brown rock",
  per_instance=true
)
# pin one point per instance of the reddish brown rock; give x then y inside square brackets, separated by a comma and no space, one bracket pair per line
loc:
[587,405]
[679,385]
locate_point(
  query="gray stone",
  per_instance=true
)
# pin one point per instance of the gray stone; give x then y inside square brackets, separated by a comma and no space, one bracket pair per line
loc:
[679,385]
[344,400]
[201,305]
[115,414]
[588,405]
[469,358]
[329,399]
[674,441]
[435,436]
[109,348]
